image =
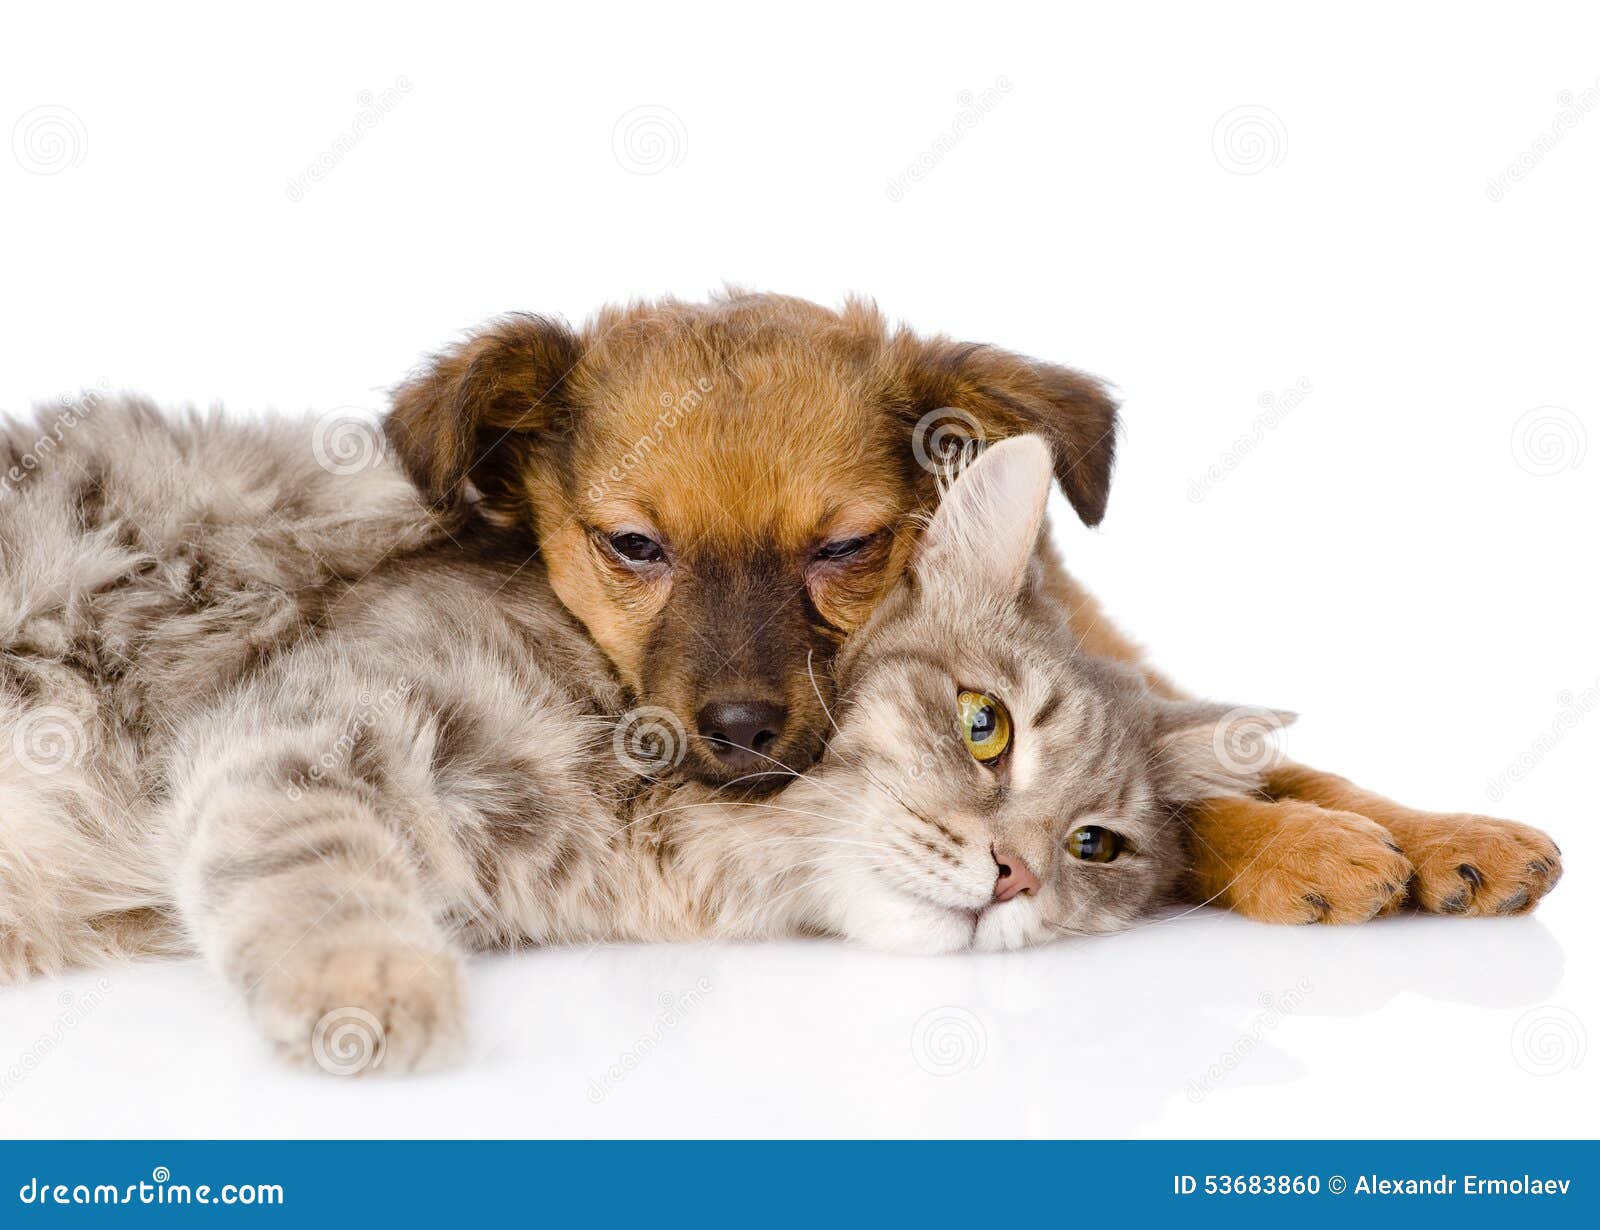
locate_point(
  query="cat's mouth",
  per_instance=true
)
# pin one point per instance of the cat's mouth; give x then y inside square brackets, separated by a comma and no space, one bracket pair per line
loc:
[1006,925]
[968,917]
[999,926]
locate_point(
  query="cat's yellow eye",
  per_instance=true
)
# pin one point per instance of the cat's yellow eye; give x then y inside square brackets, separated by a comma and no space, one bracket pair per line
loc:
[1093,844]
[985,725]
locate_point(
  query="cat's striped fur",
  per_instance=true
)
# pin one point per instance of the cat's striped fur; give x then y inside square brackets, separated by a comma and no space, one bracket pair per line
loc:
[278,715]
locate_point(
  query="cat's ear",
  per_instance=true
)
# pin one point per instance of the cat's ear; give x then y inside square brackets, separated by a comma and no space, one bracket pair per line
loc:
[984,534]
[1205,750]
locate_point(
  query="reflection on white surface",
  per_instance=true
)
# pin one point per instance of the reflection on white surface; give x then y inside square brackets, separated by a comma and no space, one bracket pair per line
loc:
[1202,1025]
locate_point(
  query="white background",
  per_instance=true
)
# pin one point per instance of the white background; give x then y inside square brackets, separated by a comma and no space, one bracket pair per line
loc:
[1212,210]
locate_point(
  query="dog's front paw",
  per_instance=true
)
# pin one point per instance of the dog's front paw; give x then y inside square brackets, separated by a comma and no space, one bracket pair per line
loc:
[1477,865]
[364,1007]
[1322,866]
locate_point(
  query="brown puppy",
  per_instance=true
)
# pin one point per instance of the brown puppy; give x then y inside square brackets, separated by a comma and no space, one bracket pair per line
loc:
[722,491]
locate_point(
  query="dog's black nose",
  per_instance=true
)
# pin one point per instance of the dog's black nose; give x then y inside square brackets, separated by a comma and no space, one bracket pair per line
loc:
[741,732]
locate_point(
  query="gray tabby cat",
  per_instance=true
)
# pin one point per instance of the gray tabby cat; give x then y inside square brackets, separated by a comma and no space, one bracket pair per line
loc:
[275,715]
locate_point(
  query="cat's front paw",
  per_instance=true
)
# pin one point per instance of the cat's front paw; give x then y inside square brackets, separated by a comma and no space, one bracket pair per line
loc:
[369,1007]
[1476,865]
[914,930]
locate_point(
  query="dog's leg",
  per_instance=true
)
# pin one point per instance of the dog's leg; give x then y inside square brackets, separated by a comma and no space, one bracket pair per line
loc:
[1310,851]
[1286,861]
[1464,864]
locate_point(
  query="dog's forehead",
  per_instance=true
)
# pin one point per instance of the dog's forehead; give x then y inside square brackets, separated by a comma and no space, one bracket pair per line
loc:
[770,442]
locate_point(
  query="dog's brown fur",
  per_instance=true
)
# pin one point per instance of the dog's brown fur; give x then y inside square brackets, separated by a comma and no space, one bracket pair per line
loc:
[743,434]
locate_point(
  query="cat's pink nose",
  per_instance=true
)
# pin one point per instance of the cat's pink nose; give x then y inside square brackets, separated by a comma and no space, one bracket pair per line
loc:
[1015,876]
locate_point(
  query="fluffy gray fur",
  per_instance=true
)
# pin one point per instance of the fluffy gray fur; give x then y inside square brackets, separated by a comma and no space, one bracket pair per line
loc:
[279,716]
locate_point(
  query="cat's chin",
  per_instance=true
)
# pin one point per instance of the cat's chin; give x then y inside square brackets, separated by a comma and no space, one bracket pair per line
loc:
[1009,925]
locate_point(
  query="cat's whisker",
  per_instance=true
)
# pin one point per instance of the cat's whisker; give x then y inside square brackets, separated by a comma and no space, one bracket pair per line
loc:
[817,691]
[760,806]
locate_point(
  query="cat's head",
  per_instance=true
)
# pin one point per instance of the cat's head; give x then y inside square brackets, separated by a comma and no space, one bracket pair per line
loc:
[996,787]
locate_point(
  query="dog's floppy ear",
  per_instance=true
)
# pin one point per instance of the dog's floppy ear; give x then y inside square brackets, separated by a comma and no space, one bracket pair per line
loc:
[1005,394]
[470,412]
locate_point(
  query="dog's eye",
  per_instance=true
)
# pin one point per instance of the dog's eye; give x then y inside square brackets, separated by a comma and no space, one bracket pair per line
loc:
[843,548]
[637,548]
[985,726]
[1093,844]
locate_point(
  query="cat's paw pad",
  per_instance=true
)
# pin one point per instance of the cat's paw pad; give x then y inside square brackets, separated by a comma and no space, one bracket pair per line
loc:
[364,1008]
[1480,866]
[1323,867]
